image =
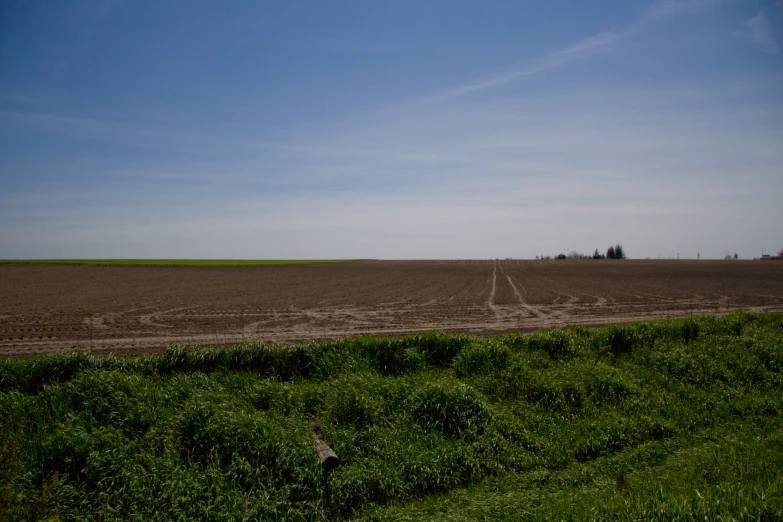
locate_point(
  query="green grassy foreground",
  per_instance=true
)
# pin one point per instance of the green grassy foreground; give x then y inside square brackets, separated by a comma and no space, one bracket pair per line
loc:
[170,262]
[661,420]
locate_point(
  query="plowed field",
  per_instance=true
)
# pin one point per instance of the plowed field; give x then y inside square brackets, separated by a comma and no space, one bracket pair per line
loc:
[143,309]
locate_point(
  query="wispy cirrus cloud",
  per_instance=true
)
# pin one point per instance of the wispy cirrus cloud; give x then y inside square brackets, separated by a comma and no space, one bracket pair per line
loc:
[759,32]
[546,62]
[567,54]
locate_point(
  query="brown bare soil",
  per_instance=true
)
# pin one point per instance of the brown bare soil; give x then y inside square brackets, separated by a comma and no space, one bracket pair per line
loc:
[144,309]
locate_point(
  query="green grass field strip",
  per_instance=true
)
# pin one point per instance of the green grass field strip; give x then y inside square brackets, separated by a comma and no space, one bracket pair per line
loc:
[171,262]
[669,419]
[733,471]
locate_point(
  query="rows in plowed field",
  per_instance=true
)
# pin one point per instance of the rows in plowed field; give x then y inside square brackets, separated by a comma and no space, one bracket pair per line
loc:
[141,309]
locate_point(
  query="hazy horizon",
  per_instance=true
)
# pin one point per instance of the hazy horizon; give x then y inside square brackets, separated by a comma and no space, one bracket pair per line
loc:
[390,130]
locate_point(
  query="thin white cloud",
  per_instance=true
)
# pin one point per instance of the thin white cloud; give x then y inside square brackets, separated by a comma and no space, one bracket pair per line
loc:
[544,63]
[567,54]
[120,131]
[174,140]
[759,31]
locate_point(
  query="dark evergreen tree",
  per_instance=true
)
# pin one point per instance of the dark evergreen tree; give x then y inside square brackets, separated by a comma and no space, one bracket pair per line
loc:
[619,253]
[610,253]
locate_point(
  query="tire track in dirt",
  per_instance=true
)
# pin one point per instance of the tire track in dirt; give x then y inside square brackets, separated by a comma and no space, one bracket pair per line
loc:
[134,310]
[154,319]
[574,301]
[530,308]
[288,334]
[491,299]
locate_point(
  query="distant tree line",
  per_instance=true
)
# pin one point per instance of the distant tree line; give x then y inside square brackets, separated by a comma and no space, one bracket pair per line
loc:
[613,252]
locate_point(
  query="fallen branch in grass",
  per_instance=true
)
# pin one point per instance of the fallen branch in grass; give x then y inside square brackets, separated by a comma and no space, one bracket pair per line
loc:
[328,457]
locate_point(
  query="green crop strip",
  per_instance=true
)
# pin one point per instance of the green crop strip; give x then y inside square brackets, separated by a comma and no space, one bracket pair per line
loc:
[171,262]
[659,420]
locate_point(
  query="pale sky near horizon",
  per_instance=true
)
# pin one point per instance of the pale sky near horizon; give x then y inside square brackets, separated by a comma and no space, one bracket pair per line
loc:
[390,129]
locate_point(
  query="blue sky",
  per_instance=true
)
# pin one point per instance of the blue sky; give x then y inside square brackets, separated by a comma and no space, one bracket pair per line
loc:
[448,129]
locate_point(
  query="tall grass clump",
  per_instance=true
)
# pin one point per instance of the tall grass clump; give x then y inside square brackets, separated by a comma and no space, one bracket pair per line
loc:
[455,409]
[556,343]
[621,339]
[481,358]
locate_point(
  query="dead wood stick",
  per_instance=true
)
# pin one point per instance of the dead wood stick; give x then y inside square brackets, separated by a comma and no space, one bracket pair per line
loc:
[328,457]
